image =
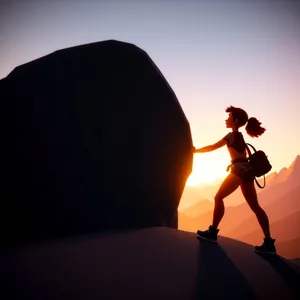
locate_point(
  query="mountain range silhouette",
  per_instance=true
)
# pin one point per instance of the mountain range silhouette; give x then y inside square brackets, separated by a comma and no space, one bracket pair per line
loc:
[281,201]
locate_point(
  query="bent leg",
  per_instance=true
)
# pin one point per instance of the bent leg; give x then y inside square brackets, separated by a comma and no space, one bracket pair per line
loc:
[250,195]
[229,185]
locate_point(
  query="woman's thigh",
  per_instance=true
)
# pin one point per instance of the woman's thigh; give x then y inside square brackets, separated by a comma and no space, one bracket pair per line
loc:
[250,195]
[228,186]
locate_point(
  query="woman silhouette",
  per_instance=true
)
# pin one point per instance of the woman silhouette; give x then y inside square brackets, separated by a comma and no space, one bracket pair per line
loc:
[241,175]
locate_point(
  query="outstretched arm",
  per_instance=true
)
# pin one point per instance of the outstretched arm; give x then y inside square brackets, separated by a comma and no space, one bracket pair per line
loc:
[213,147]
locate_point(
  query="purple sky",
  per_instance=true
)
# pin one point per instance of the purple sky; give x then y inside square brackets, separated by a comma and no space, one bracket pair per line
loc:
[213,53]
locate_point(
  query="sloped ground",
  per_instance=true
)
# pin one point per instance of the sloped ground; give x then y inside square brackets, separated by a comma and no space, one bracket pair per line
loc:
[152,263]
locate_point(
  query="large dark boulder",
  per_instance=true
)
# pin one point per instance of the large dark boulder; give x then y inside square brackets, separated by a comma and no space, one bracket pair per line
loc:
[93,139]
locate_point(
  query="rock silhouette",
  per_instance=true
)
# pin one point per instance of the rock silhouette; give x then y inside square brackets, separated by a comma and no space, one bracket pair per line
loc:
[96,140]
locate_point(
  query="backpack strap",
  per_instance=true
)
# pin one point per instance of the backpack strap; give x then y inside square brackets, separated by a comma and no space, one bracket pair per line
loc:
[248,150]
[249,154]
[257,183]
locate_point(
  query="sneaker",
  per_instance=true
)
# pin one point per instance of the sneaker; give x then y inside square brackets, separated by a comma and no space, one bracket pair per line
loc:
[267,247]
[210,235]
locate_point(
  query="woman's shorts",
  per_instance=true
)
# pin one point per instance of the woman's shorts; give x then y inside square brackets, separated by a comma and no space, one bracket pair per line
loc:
[244,171]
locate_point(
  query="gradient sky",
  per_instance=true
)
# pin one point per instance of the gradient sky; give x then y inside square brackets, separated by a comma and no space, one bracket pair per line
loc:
[213,54]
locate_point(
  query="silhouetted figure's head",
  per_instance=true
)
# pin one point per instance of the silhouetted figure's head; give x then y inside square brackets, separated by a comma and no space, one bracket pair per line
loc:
[238,118]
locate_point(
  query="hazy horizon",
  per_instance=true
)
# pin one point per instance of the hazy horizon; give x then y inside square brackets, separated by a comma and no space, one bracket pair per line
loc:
[206,191]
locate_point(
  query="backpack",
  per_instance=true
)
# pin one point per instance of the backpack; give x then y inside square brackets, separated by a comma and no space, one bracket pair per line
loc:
[259,162]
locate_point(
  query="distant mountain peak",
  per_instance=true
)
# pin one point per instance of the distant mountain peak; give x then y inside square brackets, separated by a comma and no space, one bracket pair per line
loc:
[294,169]
[282,170]
[295,163]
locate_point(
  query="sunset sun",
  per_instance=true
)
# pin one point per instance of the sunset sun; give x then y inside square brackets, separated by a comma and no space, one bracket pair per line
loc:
[205,170]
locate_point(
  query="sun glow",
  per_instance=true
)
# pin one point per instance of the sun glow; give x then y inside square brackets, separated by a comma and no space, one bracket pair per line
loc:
[205,170]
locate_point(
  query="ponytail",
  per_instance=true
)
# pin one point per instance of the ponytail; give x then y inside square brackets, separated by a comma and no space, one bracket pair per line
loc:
[253,128]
